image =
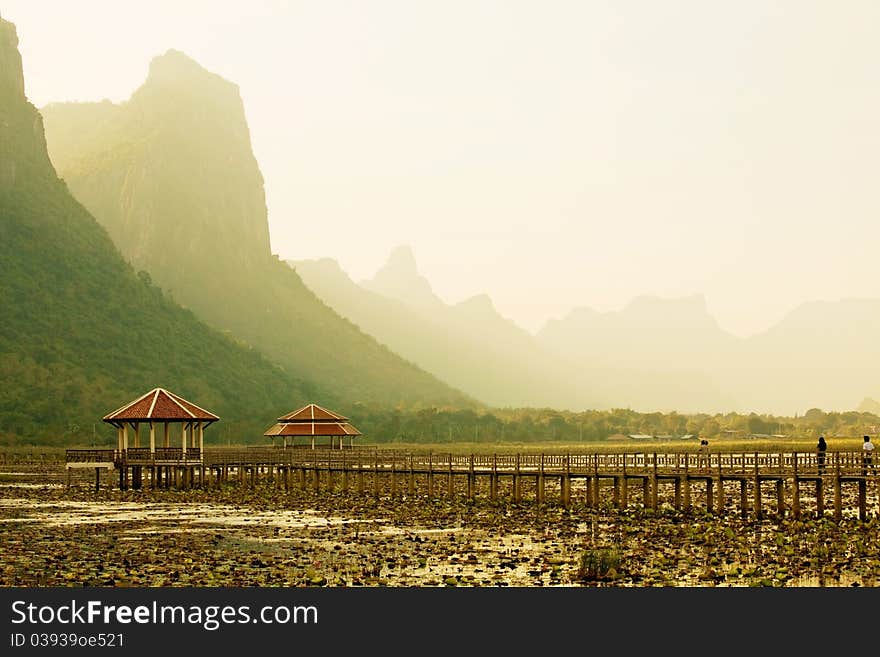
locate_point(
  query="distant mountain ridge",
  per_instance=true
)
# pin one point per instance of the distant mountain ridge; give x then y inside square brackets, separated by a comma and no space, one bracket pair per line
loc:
[648,332]
[172,176]
[654,354]
[467,344]
[821,354]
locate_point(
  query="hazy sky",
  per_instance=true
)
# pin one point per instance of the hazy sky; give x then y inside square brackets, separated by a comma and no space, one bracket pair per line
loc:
[549,153]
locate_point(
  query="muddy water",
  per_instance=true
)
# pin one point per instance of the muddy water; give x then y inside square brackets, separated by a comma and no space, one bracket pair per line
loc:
[265,537]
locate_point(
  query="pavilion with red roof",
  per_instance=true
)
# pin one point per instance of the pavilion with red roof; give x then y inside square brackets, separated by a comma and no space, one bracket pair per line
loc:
[157,407]
[160,406]
[313,421]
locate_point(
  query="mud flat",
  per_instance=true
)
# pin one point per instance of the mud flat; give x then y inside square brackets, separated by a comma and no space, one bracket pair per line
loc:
[265,536]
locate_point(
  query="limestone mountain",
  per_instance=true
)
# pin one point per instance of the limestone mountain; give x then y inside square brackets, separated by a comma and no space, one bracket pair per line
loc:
[573,364]
[648,333]
[399,278]
[171,174]
[468,344]
[80,331]
[822,354]
[658,354]
[653,355]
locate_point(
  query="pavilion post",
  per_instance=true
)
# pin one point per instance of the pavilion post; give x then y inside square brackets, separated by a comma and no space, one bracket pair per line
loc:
[167,439]
[183,438]
[313,442]
[152,438]
[119,439]
[124,436]
[201,440]
[136,427]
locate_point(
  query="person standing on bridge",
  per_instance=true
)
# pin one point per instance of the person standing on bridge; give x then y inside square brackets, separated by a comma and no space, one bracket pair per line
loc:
[820,454]
[703,454]
[867,455]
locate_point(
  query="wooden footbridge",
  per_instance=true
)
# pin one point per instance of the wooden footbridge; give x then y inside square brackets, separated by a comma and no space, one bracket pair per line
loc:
[757,484]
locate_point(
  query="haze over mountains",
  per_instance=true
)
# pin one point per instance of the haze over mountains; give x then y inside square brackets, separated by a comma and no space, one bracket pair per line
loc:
[468,344]
[655,354]
[171,177]
[81,332]
[170,173]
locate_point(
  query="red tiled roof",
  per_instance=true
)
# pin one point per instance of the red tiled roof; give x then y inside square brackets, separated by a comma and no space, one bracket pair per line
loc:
[312,413]
[312,429]
[162,405]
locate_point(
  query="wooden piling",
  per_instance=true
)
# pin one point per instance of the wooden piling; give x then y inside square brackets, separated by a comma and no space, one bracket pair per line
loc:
[449,482]
[430,476]
[516,481]
[757,479]
[686,482]
[838,506]
[863,498]
[780,498]
[655,502]
[376,475]
[595,487]
[565,483]
[540,482]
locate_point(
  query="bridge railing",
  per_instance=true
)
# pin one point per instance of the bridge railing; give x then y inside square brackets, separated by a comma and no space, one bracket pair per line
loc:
[90,455]
[846,463]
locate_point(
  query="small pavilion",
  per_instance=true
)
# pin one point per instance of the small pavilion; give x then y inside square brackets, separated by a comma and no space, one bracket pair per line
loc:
[313,421]
[160,407]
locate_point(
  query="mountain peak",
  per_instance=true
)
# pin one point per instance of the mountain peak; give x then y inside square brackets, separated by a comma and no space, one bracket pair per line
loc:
[22,140]
[176,64]
[478,302]
[402,261]
[11,72]
[399,279]
[176,75]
